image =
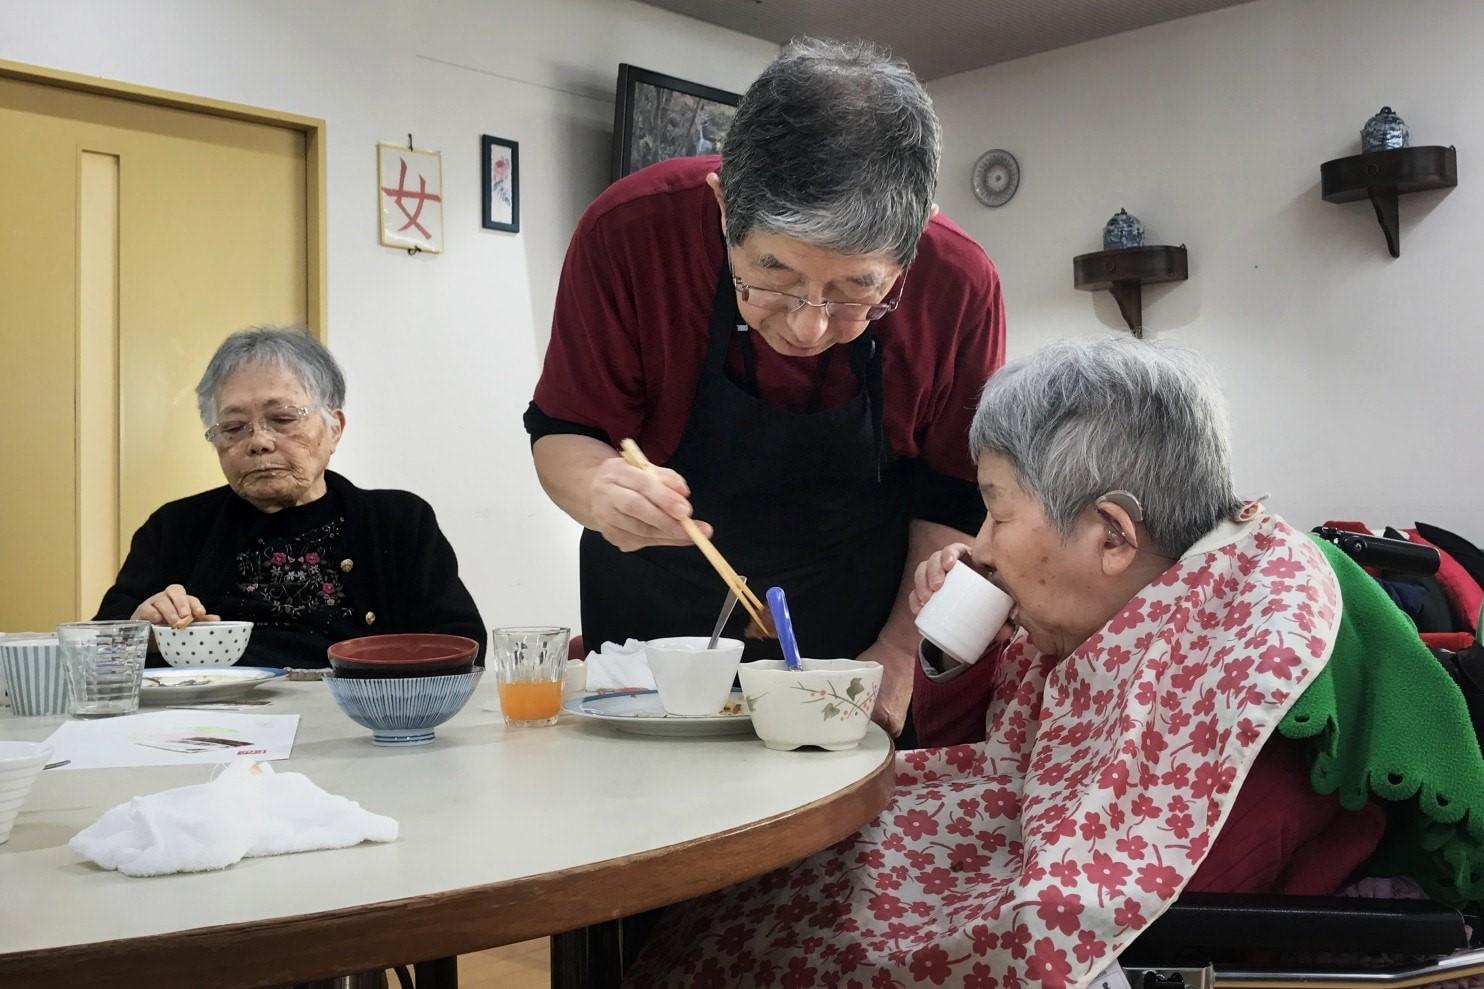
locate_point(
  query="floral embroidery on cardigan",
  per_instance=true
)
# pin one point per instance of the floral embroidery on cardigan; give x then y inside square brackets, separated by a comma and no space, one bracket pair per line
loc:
[296,576]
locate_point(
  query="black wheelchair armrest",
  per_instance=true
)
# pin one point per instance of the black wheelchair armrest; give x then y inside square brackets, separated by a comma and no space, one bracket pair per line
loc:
[1222,922]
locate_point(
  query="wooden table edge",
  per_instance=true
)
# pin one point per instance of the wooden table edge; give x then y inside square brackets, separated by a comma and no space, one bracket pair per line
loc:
[295,949]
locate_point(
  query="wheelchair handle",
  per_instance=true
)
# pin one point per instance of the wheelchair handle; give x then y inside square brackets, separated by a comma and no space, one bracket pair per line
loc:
[1396,555]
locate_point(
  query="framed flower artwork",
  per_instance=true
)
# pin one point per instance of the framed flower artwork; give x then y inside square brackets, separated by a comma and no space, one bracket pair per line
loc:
[500,168]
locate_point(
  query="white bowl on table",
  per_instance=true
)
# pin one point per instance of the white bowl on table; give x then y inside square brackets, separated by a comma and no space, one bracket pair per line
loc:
[203,643]
[693,681]
[827,703]
[20,764]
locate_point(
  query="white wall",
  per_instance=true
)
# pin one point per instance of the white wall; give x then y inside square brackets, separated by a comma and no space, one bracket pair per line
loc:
[1354,380]
[442,352]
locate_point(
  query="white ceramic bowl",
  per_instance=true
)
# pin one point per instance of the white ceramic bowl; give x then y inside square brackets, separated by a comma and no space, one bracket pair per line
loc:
[20,764]
[828,703]
[203,643]
[693,681]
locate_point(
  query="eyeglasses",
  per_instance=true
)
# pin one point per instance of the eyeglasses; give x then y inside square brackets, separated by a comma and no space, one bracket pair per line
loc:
[282,420]
[788,303]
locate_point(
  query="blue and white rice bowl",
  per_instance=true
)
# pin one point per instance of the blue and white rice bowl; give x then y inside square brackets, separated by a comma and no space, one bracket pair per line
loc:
[402,710]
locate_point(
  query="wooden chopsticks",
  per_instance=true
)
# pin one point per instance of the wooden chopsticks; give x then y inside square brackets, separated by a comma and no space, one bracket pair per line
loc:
[760,615]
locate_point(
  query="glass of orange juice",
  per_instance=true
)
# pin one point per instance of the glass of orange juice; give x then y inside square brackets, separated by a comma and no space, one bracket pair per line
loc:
[530,663]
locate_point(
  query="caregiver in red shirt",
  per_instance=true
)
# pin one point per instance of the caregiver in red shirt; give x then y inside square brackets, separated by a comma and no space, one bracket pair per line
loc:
[799,338]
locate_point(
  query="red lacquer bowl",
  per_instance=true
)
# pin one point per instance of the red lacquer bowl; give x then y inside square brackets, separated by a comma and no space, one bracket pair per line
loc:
[411,654]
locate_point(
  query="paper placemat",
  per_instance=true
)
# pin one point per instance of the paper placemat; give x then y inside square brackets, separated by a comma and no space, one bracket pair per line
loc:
[173,738]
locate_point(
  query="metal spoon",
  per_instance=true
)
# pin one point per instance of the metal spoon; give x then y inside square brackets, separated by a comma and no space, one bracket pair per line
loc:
[726,612]
[54,765]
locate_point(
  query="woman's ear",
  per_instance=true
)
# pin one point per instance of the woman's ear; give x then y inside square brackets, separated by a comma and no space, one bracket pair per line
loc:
[714,181]
[1119,545]
[338,429]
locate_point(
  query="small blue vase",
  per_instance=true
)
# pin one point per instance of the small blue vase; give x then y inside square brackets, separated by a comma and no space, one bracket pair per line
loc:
[1123,230]
[1384,132]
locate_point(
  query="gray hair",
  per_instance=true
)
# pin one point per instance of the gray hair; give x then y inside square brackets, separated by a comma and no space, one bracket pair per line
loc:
[835,144]
[290,347]
[1080,418]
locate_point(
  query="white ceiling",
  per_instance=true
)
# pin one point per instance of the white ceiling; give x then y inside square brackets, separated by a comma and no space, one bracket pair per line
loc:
[941,37]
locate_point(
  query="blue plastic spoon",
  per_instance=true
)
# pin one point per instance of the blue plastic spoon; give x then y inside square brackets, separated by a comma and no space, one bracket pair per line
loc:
[778,604]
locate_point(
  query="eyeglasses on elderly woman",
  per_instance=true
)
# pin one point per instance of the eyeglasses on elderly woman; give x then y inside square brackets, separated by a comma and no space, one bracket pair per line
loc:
[282,420]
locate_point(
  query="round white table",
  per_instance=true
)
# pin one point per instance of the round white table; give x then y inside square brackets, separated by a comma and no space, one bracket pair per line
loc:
[505,835]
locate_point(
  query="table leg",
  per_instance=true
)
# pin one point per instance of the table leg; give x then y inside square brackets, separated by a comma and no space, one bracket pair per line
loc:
[587,958]
[440,973]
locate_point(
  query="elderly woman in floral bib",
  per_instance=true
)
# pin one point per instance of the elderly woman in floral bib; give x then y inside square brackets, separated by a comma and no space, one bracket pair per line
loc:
[296,549]
[1114,747]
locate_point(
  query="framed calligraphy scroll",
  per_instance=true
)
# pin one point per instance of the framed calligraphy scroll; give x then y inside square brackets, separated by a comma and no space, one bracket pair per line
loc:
[410,197]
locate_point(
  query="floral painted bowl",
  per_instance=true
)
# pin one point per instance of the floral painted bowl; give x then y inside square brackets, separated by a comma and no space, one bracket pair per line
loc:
[203,643]
[402,710]
[828,703]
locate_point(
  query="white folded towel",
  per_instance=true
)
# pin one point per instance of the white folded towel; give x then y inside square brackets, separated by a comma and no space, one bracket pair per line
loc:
[619,667]
[247,811]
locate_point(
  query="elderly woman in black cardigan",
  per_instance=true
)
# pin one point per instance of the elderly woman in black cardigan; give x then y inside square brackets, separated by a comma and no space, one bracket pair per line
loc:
[300,551]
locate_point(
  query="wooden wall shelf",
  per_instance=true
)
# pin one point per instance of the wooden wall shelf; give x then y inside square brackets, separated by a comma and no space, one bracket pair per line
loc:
[1126,271]
[1384,176]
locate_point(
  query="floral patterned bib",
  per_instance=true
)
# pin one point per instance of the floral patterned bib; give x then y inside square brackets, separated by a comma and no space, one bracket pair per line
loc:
[1033,858]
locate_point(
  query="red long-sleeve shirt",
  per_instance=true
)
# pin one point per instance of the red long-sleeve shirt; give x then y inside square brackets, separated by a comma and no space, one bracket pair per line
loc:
[629,332]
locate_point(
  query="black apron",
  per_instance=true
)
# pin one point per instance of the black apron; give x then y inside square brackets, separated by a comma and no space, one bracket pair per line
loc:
[811,502]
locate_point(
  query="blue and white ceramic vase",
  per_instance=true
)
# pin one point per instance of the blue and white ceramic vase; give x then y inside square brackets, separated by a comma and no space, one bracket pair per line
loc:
[1123,230]
[1384,132]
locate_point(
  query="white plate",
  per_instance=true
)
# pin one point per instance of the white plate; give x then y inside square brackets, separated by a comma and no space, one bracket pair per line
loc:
[639,712]
[200,684]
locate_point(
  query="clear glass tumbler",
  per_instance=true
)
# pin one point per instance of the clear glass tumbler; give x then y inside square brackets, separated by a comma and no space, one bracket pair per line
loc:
[104,662]
[530,663]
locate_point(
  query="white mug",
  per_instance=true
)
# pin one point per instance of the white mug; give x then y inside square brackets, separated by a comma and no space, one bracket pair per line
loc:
[963,616]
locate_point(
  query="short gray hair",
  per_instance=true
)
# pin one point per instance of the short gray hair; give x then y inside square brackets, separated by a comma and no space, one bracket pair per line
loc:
[1080,418]
[837,145]
[290,347]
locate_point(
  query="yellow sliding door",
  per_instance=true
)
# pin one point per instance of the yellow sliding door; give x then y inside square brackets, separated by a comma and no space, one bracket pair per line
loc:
[138,235]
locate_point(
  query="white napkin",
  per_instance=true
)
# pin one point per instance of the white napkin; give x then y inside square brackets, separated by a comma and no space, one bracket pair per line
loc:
[619,667]
[247,811]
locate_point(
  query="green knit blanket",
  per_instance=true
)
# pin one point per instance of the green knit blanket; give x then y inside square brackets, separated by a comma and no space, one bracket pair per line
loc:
[1386,719]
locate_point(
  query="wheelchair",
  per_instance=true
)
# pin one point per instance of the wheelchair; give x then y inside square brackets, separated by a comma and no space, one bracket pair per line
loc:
[1221,941]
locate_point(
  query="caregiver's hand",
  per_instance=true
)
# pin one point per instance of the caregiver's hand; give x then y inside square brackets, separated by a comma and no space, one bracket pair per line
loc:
[634,508]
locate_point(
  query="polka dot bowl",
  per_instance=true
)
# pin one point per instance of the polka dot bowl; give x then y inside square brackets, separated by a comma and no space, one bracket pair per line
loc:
[203,643]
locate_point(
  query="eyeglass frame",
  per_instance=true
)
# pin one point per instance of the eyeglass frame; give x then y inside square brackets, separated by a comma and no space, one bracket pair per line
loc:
[887,308]
[254,423]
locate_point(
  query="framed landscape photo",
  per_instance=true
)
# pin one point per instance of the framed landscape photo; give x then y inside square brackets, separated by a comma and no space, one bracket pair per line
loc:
[500,171]
[656,117]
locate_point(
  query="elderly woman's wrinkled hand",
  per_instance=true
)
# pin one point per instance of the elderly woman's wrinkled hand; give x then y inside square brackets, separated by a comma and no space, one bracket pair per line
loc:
[633,508]
[171,606]
[931,572]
